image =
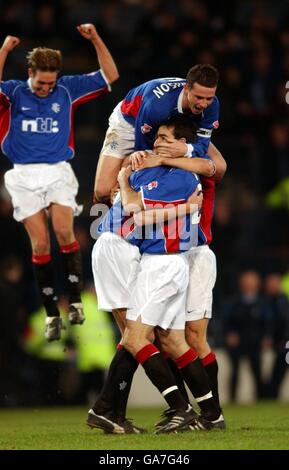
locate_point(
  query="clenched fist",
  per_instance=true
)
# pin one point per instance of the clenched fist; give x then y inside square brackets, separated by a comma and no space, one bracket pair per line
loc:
[9,43]
[88,31]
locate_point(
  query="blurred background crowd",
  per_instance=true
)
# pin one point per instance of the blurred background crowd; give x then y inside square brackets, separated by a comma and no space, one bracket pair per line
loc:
[248,41]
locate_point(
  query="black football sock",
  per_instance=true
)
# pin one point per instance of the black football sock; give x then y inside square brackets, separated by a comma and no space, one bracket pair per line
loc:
[71,259]
[157,370]
[44,276]
[113,398]
[197,380]
[211,367]
[178,378]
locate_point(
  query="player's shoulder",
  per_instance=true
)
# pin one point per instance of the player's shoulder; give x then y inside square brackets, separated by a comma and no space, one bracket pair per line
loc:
[163,87]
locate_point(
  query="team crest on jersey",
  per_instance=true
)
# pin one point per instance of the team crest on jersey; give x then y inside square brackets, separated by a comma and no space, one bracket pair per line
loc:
[152,185]
[55,107]
[145,128]
[215,124]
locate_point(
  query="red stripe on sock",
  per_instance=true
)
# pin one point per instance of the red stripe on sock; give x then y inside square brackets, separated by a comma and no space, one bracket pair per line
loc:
[74,246]
[119,346]
[146,352]
[41,259]
[189,356]
[211,357]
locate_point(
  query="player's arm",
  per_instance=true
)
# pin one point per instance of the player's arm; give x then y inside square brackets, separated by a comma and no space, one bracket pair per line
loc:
[130,199]
[151,216]
[104,57]
[204,167]
[219,161]
[8,45]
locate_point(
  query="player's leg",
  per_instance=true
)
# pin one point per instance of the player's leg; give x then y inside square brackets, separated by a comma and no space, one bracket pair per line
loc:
[115,265]
[164,278]
[118,142]
[108,168]
[174,343]
[62,222]
[37,229]
[202,263]
[196,336]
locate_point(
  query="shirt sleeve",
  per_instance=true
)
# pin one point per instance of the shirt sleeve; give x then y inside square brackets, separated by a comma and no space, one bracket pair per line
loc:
[84,88]
[208,123]
[8,88]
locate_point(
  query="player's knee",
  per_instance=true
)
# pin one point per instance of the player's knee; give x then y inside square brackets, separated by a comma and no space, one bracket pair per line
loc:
[63,234]
[102,192]
[41,246]
[196,339]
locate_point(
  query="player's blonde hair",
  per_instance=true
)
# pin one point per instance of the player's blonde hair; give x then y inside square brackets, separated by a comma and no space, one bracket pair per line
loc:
[44,59]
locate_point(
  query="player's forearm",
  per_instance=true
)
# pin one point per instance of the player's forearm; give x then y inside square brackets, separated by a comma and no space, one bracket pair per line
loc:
[3,57]
[131,200]
[220,162]
[105,60]
[155,216]
[197,165]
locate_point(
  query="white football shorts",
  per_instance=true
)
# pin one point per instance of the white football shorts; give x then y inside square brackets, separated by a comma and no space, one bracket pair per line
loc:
[159,295]
[120,137]
[35,186]
[202,278]
[115,265]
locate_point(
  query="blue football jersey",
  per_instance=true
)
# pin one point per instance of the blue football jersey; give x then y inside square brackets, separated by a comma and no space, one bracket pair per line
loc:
[40,130]
[161,187]
[149,104]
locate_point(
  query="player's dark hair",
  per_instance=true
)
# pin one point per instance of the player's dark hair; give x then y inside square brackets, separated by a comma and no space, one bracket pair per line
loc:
[44,59]
[204,74]
[183,127]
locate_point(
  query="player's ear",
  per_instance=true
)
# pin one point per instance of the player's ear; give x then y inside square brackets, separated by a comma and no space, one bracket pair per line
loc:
[182,139]
[30,72]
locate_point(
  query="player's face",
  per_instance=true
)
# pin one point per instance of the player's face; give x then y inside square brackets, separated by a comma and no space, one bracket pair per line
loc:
[199,97]
[42,82]
[164,136]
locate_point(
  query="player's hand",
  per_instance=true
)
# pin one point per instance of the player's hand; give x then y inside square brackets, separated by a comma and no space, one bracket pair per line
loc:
[9,43]
[196,197]
[124,175]
[171,150]
[137,159]
[88,31]
[151,161]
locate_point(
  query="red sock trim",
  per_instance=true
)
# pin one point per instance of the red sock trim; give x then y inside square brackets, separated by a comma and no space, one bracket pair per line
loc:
[189,356]
[119,346]
[146,352]
[41,259]
[74,246]
[211,357]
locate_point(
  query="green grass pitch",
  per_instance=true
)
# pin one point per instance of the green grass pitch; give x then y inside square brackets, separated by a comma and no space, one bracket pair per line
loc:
[261,426]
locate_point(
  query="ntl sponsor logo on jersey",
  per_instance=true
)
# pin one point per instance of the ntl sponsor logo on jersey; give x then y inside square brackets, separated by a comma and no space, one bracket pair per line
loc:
[47,125]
